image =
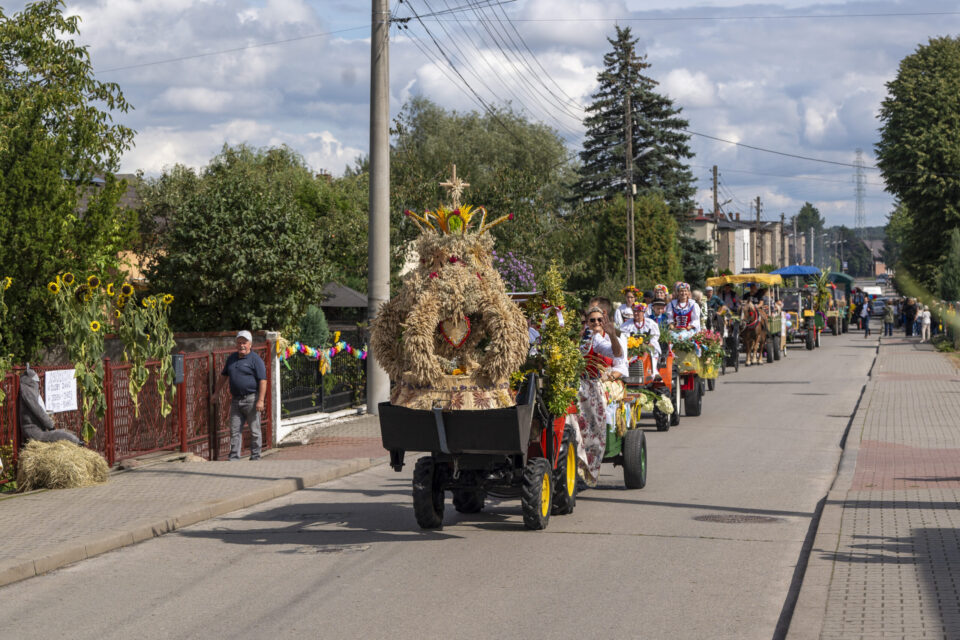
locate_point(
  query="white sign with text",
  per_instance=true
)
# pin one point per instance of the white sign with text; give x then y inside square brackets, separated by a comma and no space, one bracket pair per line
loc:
[60,391]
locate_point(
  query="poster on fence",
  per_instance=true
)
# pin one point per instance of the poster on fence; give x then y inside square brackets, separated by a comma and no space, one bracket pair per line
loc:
[60,391]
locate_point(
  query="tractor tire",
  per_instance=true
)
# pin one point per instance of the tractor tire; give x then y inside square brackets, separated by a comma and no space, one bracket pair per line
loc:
[809,340]
[662,420]
[769,350]
[711,384]
[427,494]
[468,500]
[565,480]
[537,495]
[693,399]
[634,459]
[776,348]
[675,416]
[846,325]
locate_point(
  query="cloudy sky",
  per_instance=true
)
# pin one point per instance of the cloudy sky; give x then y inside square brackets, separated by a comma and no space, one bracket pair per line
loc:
[798,77]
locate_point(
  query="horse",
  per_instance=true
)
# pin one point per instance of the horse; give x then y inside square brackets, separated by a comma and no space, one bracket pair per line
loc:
[753,332]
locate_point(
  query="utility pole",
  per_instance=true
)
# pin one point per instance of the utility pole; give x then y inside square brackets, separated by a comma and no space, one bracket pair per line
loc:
[796,244]
[783,245]
[813,261]
[716,220]
[378,239]
[758,247]
[628,134]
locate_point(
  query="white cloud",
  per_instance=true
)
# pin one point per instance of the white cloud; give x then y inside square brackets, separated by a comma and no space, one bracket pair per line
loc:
[692,89]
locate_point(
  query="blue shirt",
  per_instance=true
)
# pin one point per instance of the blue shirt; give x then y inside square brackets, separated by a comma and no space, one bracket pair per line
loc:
[245,373]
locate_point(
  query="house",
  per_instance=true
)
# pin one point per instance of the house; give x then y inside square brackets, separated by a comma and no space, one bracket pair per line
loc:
[741,246]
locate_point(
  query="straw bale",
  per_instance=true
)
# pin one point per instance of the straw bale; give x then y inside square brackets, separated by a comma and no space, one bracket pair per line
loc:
[59,465]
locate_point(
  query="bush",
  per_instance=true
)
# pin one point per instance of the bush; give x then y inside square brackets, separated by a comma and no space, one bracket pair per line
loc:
[313,328]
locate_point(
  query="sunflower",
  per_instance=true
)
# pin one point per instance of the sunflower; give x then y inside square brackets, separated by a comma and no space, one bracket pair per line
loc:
[93,282]
[110,289]
[54,287]
[116,313]
[167,298]
[68,278]
[126,290]
[80,293]
[7,282]
[94,326]
[146,303]
[121,302]
[153,302]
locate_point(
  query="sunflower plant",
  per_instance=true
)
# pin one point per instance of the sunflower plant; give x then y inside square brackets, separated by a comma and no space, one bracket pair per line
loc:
[6,359]
[144,329]
[81,306]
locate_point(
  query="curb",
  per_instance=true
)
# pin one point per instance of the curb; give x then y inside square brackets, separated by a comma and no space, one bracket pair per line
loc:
[111,539]
[807,620]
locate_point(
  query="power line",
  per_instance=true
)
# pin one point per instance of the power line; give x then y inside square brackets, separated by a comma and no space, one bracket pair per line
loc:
[914,14]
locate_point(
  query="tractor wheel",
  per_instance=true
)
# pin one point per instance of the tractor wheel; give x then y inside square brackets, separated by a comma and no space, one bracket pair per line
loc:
[711,384]
[769,350]
[675,416]
[693,399]
[846,325]
[662,419]
[427,494]
[536,497]
[810,339]
[776,347]
[634,459]
[468,500]
[565,480]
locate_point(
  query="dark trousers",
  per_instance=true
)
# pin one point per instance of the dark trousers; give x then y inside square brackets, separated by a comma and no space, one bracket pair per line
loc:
[888,328]
[866,325]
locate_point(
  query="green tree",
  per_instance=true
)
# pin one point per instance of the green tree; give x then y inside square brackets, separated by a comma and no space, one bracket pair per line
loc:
[809,217]
[895,234]
[918,152]
[313,328]
[236,244]
[950,274]
[512,165]
[57,135]
[854,250]
[659,145]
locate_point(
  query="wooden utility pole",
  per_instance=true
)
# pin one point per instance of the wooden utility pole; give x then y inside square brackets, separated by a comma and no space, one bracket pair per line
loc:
[758,248]
[378,252]
[628,135]
[716,220]
[783,245]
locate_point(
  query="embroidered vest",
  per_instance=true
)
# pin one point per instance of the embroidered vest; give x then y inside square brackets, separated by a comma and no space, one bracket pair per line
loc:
[681,318]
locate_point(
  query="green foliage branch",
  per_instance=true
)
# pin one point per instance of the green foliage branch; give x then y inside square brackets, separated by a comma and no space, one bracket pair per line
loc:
[6,359]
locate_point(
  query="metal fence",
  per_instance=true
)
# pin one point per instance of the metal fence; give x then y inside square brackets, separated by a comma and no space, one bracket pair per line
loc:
[303,389]
[124,434]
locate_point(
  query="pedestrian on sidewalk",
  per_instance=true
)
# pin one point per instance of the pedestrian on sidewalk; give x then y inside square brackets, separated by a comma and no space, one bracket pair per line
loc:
[865,310]
[909,311]
[248,388]
[925,319]
[888,316]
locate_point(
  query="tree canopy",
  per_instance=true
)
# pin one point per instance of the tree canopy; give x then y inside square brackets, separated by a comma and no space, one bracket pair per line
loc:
[56,135]
[237,242]
[659,144]
[918,152]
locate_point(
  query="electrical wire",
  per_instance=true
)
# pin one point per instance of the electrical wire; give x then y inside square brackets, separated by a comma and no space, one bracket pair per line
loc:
[912,14]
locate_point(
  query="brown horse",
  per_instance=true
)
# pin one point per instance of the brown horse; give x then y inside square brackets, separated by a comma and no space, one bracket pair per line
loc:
[753,331]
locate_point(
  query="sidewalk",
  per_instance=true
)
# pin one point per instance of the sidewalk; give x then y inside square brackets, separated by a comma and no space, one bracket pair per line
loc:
[46,530]
[885,561]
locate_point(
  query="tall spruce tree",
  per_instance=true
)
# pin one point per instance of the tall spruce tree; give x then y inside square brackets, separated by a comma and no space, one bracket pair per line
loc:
[659,145]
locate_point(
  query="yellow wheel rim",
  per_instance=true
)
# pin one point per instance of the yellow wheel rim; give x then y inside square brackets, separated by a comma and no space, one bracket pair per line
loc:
[571,468]
[545,496]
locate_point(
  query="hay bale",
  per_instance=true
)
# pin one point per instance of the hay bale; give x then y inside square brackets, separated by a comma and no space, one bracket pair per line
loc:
[59,465]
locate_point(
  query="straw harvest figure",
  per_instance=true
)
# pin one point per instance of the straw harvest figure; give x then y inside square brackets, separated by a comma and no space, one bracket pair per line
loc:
[452,335]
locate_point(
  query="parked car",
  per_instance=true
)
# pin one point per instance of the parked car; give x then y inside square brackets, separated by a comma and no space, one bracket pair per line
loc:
[879,306]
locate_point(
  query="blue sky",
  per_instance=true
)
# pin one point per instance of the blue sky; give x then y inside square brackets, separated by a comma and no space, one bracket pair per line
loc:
[800,77]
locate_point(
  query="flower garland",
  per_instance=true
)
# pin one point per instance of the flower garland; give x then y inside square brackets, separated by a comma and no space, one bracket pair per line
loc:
[323,354]
[708,345]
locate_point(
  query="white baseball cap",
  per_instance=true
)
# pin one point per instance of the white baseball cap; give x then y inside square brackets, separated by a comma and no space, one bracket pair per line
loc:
[246,335]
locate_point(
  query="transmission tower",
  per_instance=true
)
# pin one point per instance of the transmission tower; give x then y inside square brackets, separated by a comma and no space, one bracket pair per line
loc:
[860,182]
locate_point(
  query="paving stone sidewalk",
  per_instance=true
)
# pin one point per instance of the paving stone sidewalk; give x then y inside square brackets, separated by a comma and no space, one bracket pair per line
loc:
[885,561]
[46,530]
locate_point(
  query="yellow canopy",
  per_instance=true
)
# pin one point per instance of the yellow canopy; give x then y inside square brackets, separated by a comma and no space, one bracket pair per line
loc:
[744,278]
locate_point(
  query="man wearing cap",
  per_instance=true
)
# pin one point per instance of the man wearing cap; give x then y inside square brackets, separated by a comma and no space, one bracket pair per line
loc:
[248,388]
[714,301]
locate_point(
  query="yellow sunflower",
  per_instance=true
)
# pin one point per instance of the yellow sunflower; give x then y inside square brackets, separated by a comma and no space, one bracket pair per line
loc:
[126,290]
[68,278]
[110,289]
[7,282]
[94,326]
[146,303]
[153,302]
[167,298]
[93,282]
[116,313]
[53,287]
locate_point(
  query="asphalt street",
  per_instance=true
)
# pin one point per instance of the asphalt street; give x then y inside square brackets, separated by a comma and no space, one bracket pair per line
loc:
[707,550]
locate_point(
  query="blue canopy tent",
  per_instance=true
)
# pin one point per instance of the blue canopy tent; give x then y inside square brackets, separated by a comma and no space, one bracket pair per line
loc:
[797,270]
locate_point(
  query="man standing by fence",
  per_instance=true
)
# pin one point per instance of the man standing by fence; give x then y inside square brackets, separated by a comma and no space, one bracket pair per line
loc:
[248,388]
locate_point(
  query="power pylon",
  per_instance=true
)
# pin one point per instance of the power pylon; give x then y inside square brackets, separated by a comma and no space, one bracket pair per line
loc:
[860,183]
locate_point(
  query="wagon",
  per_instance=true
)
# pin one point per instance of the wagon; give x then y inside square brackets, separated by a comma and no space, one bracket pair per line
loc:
[661,379]
[520,451]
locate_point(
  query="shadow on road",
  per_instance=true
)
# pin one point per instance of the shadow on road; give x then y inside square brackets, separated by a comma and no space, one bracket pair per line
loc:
[590,497]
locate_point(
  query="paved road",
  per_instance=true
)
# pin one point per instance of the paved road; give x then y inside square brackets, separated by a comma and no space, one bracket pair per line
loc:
[345,560]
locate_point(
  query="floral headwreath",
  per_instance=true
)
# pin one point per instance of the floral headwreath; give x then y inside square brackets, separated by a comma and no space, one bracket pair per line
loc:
[681,286]
[631,289]
[639,308]
[661,287]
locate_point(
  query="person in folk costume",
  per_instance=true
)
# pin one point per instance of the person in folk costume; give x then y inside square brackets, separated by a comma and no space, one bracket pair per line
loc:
[683,314]
[657,310]
[648,328]
[626,310]
[600,388]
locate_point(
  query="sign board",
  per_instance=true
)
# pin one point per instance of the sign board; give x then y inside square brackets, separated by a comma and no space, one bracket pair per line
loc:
[845,267]
[60,390]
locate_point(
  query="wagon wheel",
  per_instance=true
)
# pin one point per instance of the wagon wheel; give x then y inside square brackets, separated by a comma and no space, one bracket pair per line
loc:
[675,416]
[427,494]
[711,384]
[693,399]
